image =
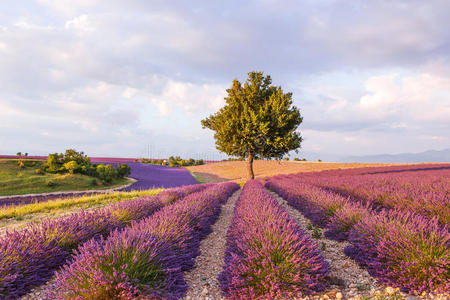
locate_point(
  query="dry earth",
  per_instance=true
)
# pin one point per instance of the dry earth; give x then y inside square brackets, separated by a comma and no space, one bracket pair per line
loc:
[237,170]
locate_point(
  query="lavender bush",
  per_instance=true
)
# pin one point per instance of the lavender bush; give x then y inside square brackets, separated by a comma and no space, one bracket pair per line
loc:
[267,254]
[324,208]
[28,257]
[128,265]
[144,260]
[404,250]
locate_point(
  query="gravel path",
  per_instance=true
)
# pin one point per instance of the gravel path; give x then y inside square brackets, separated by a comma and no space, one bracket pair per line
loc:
[202,280]
[345,276]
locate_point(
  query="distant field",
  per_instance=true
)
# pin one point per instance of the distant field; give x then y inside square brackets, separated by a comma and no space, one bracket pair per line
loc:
[236,170]
[19,181]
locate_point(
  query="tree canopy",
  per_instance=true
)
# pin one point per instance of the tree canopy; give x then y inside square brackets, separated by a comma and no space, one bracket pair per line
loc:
[258,121]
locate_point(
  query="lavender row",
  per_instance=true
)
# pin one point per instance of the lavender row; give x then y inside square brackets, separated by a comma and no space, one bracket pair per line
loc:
[145,260]
[29,257]
[324,208]
[399,248]
[425,191]
[23,200]
[267,254]
[403,249]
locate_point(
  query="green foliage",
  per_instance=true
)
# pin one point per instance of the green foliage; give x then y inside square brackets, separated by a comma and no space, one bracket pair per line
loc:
[39,172]
[54,163]
[123,170]
[79,157]
[71,166]
[77,162]
[174,161]
[258,120]
[106,173]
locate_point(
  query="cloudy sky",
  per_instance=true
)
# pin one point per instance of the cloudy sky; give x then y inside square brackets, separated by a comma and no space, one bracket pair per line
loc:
[121,78]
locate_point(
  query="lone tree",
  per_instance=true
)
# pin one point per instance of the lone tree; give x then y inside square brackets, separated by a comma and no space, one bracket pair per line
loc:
[258,121]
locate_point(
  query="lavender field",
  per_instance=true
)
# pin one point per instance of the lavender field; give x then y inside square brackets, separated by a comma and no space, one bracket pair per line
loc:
[289,237]
[150,176]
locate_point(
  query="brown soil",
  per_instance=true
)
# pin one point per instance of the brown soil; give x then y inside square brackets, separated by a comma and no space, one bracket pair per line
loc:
[237,171]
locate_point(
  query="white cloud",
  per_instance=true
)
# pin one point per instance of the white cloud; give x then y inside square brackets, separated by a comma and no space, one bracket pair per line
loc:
[419,98]
[69,7]
[81,22]
[97,71]
[191,97]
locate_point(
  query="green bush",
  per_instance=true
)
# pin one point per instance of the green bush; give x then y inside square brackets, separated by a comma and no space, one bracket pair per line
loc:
[71,166]
[38,172]
[123,170]
[54,163]
[106,173]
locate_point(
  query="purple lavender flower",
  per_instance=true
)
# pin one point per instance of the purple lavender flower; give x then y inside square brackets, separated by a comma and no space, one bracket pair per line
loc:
[29,257]
[267,253]
[146,259]
[403,249]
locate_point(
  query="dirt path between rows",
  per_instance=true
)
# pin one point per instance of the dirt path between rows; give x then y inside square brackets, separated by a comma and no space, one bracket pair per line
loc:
[202,280]
[346,276]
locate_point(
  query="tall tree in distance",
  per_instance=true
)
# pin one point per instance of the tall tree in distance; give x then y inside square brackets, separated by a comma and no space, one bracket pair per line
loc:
[258,121]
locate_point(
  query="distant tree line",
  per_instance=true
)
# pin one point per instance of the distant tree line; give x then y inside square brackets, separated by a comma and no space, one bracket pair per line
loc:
[173,161]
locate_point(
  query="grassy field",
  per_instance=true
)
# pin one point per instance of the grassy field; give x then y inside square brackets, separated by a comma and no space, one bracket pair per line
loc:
[16,217]
[237,170]
[18,181]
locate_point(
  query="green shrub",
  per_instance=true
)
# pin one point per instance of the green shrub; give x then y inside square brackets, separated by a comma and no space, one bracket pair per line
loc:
[106,173]
[38,172]
[71,166]
[123,170]
[54,163]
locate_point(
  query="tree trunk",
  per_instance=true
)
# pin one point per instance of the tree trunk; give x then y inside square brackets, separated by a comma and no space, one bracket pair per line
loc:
[251,175]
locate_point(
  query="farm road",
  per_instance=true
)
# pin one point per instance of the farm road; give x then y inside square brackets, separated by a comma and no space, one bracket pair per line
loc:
[202,280]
